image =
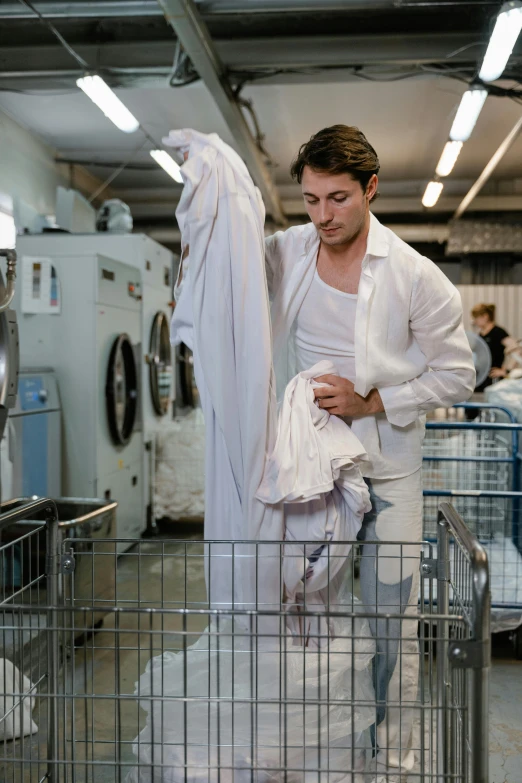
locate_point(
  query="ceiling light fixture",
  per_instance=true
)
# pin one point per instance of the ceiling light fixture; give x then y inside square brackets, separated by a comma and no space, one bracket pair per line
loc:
[105,99]
[467,114]
[167,163]
[432,193]
[449,156]
[503,39]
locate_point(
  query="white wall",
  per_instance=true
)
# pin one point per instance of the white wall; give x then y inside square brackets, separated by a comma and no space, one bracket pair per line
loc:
[27,167]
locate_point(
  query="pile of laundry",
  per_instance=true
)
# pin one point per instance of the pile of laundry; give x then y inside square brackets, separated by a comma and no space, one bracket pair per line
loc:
[179,484]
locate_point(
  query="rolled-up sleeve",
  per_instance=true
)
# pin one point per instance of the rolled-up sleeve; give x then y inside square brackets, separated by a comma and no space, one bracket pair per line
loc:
[436,325]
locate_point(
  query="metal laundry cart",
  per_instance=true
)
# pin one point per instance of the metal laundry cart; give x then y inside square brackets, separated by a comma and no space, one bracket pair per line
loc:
[473,455]
[84,695]
[477,465]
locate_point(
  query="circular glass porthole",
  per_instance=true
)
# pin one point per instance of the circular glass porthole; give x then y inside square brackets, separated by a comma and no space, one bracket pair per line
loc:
[187,381]
[160,359]
[121,390]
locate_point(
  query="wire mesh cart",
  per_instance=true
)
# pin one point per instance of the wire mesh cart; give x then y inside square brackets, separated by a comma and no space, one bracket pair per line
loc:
[476,465]
[271,706]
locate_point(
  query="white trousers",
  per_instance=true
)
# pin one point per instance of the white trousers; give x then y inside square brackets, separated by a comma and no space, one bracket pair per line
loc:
[390,575]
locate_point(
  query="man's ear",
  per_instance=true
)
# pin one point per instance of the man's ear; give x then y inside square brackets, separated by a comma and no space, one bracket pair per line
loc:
[372,186]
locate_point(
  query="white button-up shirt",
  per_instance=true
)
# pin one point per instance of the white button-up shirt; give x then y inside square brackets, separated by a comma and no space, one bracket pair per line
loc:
[410,343]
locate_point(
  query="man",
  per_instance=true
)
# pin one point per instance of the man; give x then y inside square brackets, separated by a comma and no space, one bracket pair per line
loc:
[346,288]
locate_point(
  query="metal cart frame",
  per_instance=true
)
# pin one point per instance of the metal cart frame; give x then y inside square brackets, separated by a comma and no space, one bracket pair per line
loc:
[74,745]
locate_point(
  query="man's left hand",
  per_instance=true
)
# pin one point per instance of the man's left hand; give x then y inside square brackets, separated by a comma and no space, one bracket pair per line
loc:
[340,398]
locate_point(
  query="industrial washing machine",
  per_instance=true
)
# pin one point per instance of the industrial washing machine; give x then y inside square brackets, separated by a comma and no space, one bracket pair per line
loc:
[9,359]
[80,312]
[156,361]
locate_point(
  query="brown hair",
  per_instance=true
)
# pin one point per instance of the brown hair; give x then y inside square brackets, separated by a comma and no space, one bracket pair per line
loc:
[340,149]
[484,309]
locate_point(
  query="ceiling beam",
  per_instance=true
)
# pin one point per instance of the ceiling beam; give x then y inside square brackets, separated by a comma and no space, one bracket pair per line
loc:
[184,18]
[103,9]
[242,54]
[489,168]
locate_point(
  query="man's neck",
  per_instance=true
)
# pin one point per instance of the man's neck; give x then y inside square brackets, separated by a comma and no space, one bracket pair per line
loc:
[351,252]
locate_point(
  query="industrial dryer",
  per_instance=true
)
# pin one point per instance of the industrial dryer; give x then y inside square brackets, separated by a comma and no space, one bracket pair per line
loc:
[80,312]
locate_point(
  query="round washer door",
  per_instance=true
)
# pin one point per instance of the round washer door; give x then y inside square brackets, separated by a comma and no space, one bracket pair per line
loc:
[121,390]
[160,359]
[187,381]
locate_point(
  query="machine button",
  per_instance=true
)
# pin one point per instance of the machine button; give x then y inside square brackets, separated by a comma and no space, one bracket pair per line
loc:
[42,395]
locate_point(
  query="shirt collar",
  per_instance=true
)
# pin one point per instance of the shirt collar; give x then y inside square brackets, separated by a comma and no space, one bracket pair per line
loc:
[377,246]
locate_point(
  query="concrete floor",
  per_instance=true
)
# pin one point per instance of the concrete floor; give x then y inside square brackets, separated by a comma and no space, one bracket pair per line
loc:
[98,730]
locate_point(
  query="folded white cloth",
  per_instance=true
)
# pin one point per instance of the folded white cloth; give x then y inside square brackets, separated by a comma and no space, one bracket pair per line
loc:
[16,705]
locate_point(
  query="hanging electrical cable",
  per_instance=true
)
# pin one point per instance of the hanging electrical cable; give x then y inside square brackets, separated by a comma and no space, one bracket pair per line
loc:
[55,32]
[103,96]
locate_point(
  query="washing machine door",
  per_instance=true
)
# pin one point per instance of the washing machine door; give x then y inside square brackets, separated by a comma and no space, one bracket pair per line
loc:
[187,381]
[160,360]
[121,390]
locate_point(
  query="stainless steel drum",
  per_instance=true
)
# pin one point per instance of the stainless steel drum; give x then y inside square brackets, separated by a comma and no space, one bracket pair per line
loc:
[9,348]
[160,361]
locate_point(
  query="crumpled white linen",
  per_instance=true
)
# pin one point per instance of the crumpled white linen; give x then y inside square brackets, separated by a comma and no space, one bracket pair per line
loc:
[313,450]
[179,483]
[255,714]
[15,703]
[315,469]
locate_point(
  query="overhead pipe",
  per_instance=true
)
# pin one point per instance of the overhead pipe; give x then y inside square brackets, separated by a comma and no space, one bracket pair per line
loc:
[489,169]
[101,9]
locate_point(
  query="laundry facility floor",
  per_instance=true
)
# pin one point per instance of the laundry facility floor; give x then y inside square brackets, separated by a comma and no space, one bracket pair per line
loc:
[111,660]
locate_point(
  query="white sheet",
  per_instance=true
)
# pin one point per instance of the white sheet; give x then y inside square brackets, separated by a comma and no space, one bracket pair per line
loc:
[224,297]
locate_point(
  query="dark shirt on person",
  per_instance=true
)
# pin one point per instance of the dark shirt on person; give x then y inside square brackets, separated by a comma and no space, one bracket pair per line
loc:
[494,339]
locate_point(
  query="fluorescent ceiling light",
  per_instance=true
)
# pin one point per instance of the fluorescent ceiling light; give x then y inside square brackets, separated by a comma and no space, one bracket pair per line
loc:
[503,39]
[106,100]
[467,114]
[431,194]
[169,164]
[449,156]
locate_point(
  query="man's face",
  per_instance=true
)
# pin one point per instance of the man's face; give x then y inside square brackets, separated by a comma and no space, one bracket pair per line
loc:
[336,204]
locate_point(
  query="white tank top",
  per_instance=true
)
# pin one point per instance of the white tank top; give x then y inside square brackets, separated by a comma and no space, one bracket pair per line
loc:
[325,328]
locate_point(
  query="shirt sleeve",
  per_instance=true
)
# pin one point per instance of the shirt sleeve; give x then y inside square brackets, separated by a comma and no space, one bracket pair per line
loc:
[436,324]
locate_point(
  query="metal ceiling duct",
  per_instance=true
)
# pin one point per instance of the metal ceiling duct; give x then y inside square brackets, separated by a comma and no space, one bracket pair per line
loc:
[477,236]
[99,9]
